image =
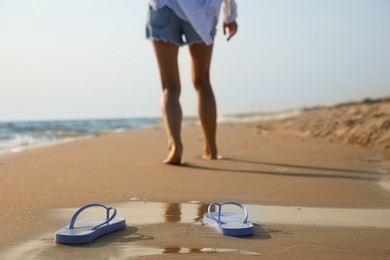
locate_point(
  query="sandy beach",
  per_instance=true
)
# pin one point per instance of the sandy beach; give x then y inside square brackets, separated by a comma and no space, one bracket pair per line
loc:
[263,164]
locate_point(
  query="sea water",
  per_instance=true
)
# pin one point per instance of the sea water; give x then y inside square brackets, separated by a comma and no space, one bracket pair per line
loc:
[20,135]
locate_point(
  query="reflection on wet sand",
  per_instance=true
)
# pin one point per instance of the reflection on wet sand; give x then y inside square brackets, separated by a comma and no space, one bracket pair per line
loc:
[172,213]
[202,208]
[130,242]
[184,250]
[171,250]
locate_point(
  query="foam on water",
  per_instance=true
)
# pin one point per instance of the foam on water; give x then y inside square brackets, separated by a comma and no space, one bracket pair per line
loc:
[21,135]
[261,116]
[18,136]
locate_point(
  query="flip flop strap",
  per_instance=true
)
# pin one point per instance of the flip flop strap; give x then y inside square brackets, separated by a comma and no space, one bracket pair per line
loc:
[245,220]
[108,218]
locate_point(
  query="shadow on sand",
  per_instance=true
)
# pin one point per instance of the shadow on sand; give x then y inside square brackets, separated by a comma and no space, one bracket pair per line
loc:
[315,171]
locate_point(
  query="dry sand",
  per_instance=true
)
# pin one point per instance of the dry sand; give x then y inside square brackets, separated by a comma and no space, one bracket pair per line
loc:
[261,165]
[364,123]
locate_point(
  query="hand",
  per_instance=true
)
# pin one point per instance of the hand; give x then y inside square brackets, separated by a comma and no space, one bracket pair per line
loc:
[231,27]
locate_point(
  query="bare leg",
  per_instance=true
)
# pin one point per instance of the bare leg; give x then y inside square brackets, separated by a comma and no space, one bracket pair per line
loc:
[201,59]
[166,54]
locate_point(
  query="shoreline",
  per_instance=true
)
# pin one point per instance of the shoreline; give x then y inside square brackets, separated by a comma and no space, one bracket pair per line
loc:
[25,135]
[362,123]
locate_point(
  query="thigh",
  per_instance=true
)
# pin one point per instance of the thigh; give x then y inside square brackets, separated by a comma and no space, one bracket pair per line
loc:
[167,59]
[201,59]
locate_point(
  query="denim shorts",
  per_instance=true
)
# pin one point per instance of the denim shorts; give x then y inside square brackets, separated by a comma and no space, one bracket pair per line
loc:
[164,25]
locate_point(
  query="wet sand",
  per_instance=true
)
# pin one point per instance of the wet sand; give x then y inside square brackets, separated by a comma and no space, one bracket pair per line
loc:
[267,168]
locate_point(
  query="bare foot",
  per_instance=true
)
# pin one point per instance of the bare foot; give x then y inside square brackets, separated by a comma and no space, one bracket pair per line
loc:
[211,155]
[174,155]
[217,157]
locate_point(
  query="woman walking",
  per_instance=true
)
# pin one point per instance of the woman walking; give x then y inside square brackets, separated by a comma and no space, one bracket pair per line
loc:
[174,23]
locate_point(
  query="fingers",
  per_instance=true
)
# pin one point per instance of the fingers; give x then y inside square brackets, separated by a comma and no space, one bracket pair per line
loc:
[232,27]
[232,32]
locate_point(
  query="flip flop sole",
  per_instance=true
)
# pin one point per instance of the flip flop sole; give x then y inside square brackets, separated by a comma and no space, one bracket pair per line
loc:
[232,225]
[85,234]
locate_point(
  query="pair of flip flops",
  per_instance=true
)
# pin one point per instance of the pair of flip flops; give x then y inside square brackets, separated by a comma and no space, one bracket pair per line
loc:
[88,229]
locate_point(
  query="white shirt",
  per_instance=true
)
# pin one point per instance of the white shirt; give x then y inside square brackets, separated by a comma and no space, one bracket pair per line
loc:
[202,14]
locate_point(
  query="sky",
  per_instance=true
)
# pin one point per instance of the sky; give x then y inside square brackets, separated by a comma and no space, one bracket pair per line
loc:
[79,59]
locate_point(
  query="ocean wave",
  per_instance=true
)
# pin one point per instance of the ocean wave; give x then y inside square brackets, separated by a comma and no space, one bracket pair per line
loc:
[21,135]
[259,116]
[18,136]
